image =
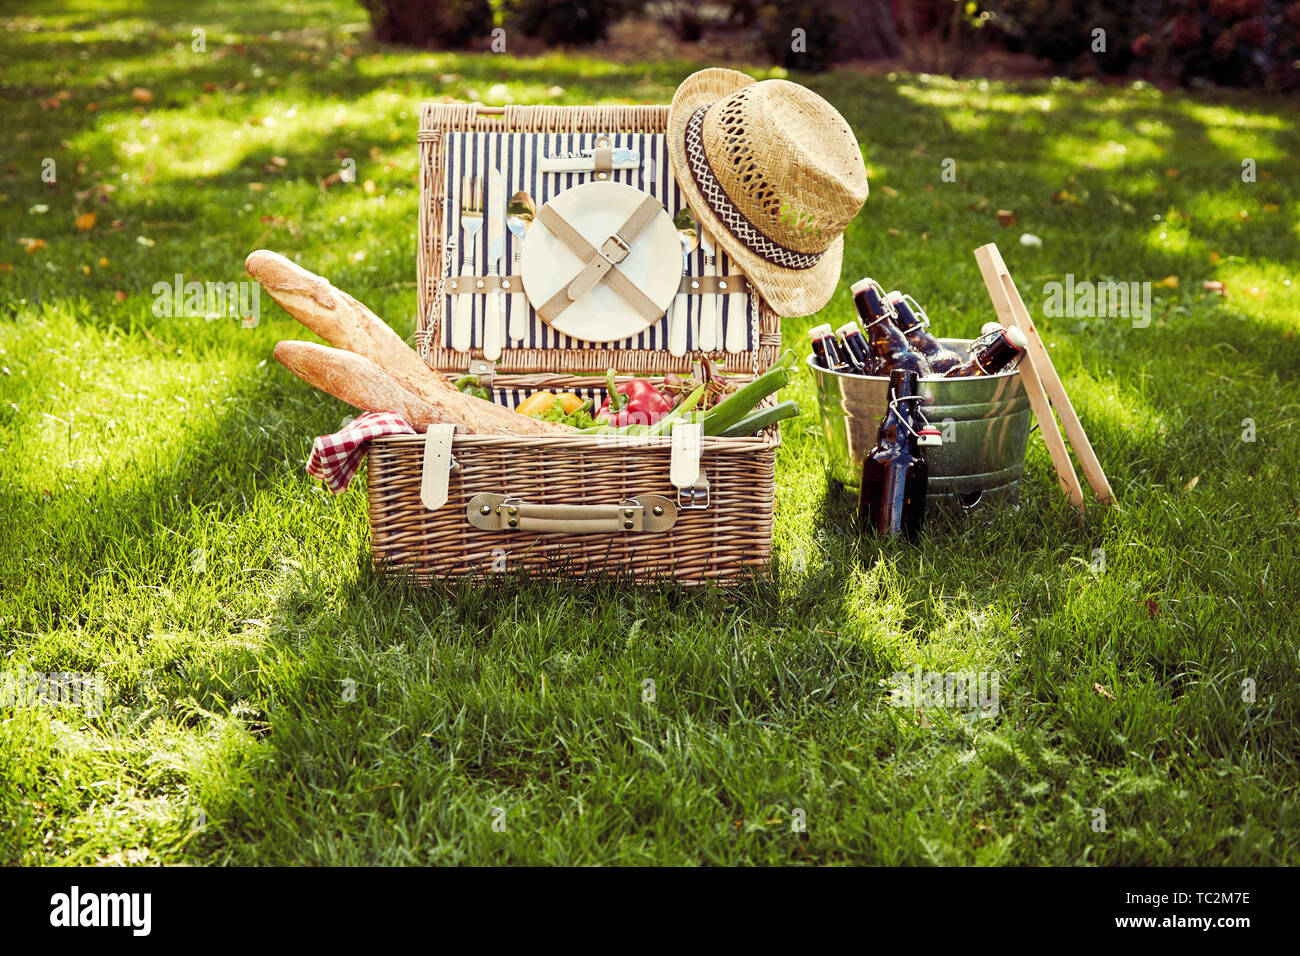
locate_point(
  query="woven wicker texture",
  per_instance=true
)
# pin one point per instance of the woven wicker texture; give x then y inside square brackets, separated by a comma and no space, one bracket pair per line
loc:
[731,536]
[775,173]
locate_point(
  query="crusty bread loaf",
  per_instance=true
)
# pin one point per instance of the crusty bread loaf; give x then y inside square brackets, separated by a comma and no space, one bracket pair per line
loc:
[364,385]
[356,380]
[344,322]
[341,320]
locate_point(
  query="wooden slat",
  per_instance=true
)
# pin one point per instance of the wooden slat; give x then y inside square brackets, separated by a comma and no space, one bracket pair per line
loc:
[992,269]
[1056,393]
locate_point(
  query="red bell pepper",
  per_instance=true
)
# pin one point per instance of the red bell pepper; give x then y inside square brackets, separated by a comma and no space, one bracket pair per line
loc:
[632,403]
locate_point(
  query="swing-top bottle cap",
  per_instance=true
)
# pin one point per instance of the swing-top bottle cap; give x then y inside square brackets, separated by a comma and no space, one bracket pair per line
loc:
[989,327]
[1016,337]
[820,331]
[848,328]
[863,284]
[894,296]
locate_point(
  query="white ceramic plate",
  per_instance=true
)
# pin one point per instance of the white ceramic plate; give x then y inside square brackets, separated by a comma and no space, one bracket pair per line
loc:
[596,210]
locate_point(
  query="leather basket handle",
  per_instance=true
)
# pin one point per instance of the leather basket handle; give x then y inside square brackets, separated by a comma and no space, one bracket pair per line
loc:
[644,513]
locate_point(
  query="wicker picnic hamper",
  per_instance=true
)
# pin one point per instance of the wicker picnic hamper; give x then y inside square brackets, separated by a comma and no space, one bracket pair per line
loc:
[723,524]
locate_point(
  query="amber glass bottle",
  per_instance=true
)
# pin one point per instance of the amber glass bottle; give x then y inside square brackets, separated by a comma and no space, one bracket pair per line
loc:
[993,357]
[894,473]
[914,326]
[888,344]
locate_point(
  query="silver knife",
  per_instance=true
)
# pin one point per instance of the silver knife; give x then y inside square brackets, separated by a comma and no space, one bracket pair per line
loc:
[707,339]
[584,161]
[494,323]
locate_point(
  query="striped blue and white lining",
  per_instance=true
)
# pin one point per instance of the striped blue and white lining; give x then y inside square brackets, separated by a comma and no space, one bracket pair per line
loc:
[514,397]
[516,155]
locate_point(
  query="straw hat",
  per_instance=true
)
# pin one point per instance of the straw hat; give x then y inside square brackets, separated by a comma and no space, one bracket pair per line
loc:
[774,173]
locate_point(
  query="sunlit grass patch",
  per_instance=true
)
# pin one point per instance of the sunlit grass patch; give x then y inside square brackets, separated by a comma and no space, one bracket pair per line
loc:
[273,699]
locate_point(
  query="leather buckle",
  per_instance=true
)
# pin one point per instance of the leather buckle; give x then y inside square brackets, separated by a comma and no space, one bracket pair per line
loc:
[438,466]
[621,249]
[694,497]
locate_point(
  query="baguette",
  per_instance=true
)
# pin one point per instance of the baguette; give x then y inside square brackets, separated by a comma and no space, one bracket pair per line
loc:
[356,380]
[344,322]
[341,320]
[364,385]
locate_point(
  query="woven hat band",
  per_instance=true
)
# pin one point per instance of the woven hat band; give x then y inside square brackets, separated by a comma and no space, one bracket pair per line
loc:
[736,222]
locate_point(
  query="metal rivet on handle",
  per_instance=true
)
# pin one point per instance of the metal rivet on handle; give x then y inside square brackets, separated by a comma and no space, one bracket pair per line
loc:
[627,525]
[722,285]
[480,283]
[512,510]
[505,283]
[485,510]
[513,522]
[658,511]
[695,285]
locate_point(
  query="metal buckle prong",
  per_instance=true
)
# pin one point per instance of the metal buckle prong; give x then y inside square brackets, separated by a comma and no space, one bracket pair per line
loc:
[694,497]
[622,249]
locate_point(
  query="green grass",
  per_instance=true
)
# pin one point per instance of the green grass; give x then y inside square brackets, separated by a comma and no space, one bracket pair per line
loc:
[158,527]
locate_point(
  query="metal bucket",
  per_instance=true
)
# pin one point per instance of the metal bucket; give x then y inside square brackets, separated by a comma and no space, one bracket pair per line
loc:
[984,422]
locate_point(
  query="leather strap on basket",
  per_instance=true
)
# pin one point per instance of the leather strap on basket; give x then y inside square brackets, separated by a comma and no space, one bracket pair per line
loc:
[602,263]
[639,514]
[438,464]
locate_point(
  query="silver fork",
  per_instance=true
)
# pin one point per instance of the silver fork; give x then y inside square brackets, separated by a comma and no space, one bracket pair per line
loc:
[471,221]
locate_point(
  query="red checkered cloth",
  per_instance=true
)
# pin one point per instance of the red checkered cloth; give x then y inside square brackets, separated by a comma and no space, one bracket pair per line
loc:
[336,458]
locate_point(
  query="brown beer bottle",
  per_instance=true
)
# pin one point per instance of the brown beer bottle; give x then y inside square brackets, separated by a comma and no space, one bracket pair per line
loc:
[913,323]
[857,349]
[827,350]
[888,344]
[895,475]
[993,357]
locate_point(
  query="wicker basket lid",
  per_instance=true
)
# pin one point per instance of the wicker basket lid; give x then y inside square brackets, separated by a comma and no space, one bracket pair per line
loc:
[437,226]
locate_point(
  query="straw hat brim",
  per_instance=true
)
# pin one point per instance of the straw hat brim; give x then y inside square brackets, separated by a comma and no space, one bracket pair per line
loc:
[790,292]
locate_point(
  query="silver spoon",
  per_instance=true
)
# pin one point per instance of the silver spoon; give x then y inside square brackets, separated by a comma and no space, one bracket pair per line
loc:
[520,212]
[688,231]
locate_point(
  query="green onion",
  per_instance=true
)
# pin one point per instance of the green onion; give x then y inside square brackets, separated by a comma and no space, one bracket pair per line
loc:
[759,419]
[732,409]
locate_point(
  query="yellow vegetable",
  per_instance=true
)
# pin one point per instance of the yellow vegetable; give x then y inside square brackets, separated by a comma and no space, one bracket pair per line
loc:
[537,402]
[569,402]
